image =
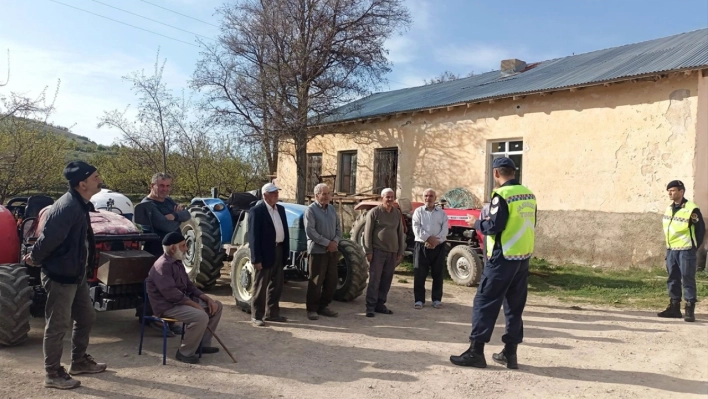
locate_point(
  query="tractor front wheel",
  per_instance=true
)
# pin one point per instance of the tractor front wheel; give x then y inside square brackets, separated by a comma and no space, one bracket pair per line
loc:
[243,278]
[464,266]
[353,270]
[204,258]
[15,301]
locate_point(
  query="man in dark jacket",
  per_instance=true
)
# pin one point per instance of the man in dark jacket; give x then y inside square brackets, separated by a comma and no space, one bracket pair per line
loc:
[269,242]
[65,250]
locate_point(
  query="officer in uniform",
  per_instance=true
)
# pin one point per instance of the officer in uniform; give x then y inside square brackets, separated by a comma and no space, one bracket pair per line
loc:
[684,230]
[510,236]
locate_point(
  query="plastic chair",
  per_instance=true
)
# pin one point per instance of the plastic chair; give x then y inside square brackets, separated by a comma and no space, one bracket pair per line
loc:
[164,321]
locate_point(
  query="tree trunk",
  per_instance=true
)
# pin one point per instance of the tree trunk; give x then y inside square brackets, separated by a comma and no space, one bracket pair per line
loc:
[301,164]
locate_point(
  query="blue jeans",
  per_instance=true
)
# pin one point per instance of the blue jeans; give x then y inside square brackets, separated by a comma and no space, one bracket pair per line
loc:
[503,283]
[681,267]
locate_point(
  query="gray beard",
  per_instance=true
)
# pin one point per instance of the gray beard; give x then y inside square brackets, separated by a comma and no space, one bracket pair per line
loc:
[179,255]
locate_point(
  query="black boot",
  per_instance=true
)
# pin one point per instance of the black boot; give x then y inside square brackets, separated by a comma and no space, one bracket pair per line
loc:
[673,311]
[472,357]
[690,308]
[507,357]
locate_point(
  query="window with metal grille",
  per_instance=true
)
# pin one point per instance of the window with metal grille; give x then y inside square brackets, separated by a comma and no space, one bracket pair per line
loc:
[314,171]
[514,150]
[347,172]
[385,169]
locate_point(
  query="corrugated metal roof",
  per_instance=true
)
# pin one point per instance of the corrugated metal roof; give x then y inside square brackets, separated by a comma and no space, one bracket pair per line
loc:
[683,51]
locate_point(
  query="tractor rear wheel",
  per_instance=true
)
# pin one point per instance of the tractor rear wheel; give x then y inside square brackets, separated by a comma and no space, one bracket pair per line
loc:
[15,301]
[243,278]
[464,266]
[204,258]
[353,270]
[357,233]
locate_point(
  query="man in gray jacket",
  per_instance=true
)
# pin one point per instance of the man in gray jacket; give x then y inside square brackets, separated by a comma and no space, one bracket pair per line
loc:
[323,234]
[65,250]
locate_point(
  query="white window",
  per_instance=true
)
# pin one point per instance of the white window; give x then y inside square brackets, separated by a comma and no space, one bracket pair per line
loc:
[513,149]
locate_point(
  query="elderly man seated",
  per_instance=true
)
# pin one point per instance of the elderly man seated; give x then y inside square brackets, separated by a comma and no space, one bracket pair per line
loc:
[172,295]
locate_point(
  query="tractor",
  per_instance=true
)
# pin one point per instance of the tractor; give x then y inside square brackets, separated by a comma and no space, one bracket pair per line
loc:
[115,283]
[463,244]
[218,232]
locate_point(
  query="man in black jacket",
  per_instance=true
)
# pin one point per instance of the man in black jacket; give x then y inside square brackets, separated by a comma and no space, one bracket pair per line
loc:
[269,242]
[64,250]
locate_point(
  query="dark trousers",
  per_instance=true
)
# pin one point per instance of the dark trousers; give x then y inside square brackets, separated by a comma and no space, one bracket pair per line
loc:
[381,270]
[428,259]
[268,287]
[681,266]
[503,282]
[323,280]
[66,303]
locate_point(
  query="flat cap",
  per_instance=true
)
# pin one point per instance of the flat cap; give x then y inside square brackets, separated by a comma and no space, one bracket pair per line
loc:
[172,238]
[503,162]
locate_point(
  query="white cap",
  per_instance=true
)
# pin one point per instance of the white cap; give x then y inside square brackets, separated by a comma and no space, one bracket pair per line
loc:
[269,188]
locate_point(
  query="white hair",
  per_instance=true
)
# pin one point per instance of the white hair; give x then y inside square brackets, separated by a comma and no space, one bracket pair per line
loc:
[166,249]
[319,187]
[431,190]
[387,190]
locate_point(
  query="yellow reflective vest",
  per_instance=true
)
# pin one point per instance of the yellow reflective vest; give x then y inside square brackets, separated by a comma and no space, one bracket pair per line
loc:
[680,235]
[517,239]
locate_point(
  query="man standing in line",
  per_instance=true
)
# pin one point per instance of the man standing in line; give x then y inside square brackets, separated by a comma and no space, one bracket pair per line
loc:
[66,250]
[323,235]
[166,217]
[684,230]
[269,241]
[430,226]
[510,238]
[384,243]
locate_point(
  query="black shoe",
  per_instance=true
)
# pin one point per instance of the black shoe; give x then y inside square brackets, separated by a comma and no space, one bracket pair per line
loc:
[506,359]
[209,349]
[370,314]
[690,308]
[186,359]
[469,359]
[673,311]
[384,310]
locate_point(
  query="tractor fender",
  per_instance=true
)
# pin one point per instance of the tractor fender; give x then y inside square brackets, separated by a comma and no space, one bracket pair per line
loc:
[222,213]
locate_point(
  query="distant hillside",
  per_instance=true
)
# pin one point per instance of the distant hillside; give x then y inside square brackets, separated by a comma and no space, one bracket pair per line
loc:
[83,147]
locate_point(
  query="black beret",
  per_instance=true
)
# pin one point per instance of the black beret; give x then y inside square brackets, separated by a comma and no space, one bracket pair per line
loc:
[503,162]
[676,183]
[78,171]
[172,238]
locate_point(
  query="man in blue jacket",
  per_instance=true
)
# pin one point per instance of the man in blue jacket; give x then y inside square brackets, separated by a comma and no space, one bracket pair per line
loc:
[268,239]
[65,250]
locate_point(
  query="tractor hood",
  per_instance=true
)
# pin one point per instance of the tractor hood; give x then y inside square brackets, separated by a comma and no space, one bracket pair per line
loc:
[294,212]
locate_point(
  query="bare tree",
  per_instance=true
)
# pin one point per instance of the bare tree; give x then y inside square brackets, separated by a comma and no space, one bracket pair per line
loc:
[295,62]
[446,76]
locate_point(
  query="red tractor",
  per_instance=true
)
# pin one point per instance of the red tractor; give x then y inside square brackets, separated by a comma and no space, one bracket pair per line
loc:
[115,283]
[465,245]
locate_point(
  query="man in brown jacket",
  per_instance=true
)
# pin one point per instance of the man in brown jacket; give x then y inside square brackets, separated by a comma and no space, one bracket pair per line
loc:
[384,243]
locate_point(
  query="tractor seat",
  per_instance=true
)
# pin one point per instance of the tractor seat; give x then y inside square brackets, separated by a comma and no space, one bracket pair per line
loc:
[35,204]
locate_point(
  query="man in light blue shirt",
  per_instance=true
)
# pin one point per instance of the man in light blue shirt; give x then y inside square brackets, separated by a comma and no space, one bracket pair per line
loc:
[430,226]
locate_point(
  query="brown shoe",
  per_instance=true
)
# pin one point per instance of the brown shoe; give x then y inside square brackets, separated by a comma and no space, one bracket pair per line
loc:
[328,312]
[60,379]
[86,365]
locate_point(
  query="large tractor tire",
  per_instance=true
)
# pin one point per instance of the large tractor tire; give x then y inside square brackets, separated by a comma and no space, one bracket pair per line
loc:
[353,270]
[464,266]
[204,258]
[15,301]
[243,278]
[357,233]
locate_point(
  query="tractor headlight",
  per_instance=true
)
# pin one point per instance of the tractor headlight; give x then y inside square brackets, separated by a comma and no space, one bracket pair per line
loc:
[219,207]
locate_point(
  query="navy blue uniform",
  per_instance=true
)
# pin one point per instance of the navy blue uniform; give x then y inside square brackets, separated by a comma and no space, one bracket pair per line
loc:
[681,265]
[503,282]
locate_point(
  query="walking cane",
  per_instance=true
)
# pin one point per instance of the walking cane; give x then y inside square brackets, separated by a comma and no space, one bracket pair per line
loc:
[222,344]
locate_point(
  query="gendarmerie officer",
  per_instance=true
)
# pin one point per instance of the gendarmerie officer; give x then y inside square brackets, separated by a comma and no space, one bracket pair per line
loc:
[684,230]
[510,238]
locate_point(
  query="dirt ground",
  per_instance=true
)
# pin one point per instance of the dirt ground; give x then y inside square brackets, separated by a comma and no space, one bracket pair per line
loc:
[567,353]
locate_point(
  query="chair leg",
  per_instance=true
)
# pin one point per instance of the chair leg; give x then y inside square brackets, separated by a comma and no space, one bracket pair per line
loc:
[142,332]
[164,343]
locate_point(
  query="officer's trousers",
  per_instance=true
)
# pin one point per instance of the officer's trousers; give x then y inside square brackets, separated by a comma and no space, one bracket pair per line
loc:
[681,267]
[503,282]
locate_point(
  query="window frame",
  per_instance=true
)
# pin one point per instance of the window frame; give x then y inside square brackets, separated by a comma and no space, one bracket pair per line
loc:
[352,172]
[506,153]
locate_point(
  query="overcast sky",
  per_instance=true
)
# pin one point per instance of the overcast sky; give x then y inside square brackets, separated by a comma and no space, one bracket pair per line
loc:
[50,41]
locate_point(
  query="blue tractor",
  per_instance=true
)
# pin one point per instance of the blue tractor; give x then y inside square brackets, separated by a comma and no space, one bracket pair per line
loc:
[217,232]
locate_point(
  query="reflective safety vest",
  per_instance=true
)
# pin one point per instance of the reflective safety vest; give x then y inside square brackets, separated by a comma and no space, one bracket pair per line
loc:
[679,233]
[517,239]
